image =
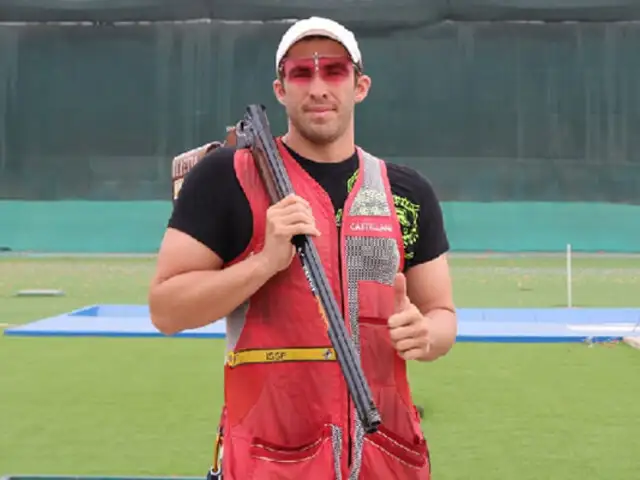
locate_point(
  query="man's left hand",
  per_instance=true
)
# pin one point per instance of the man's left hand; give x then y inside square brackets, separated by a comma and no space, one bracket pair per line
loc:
[408,327]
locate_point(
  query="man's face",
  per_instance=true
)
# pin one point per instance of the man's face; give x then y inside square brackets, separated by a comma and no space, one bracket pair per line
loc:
[319,89]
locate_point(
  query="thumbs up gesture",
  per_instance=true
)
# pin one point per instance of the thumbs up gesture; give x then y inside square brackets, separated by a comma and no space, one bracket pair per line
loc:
[408,327]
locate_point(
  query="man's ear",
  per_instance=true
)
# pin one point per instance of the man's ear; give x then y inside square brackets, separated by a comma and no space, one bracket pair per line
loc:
[278,90]
[363,84]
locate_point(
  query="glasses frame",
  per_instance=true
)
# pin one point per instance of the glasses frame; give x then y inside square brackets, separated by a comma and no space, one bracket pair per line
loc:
[357,68]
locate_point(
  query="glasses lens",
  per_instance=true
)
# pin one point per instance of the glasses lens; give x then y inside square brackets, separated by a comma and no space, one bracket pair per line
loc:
[330,69]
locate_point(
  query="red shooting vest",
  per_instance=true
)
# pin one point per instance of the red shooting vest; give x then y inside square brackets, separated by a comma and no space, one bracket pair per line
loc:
[288,413]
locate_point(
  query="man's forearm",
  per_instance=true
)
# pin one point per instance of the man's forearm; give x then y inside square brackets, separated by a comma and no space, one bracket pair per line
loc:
[195,299]
[443,329]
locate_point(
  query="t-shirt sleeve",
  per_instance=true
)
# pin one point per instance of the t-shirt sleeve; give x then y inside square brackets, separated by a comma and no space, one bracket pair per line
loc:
[432,237]
[202,207]
[420,214]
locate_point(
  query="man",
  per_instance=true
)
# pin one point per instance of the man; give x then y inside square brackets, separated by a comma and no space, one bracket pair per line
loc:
[379,231]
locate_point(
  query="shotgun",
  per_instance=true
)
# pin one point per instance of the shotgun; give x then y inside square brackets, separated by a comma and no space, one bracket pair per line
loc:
[254,132]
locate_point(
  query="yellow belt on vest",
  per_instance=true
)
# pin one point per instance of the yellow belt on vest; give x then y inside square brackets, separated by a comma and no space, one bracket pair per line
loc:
[276,355]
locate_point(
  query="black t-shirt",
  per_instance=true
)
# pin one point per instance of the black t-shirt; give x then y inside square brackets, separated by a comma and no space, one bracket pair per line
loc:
[212,208]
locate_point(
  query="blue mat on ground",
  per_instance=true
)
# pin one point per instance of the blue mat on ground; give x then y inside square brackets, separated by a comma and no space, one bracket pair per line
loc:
[475,325]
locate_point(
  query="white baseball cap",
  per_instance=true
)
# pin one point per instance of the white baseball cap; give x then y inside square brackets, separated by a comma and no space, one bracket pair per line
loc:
[322,27]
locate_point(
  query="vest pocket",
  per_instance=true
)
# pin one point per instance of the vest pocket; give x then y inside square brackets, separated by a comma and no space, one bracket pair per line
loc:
[312,460]
[375,302]
[386,455]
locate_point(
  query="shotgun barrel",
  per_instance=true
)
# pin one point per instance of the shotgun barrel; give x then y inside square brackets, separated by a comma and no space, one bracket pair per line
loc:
[254,132]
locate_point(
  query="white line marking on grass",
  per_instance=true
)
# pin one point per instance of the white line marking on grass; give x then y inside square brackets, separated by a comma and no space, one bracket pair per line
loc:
[619,327]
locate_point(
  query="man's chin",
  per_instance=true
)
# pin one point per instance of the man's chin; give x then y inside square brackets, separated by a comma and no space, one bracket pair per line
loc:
[318,132]
[321,137]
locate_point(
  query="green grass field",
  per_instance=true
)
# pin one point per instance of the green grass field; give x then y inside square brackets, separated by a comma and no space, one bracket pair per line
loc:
[82,406]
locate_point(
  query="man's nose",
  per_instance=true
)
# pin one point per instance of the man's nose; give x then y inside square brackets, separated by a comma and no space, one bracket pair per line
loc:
[317,87]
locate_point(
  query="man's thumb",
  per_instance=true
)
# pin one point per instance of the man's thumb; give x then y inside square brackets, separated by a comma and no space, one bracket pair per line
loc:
[400,290]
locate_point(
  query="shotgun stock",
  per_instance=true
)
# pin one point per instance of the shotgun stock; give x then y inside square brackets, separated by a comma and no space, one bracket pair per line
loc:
[254,132]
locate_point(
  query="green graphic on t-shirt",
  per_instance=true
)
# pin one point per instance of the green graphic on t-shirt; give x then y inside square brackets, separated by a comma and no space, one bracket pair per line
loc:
[407,213]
